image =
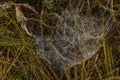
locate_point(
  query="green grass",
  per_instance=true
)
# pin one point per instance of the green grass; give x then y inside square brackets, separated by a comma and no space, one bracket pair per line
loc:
[18,59]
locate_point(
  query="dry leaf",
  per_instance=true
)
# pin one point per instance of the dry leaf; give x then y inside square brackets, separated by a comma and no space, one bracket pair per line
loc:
[21,19]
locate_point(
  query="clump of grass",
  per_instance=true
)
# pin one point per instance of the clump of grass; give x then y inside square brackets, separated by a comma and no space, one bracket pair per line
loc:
[19,54]
[18,59]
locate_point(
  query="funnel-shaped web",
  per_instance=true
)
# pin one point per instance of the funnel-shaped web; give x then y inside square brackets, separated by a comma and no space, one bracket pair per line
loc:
[76,39]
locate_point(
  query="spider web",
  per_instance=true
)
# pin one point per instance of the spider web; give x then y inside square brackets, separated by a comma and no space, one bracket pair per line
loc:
[76,39]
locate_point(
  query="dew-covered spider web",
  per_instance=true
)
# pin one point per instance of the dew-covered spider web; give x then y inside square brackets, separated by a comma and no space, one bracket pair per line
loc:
[76,39]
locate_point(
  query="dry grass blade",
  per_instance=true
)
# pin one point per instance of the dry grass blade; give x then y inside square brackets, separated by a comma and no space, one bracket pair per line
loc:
[6,5]
[29,7]
[107,8]
[7,71]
